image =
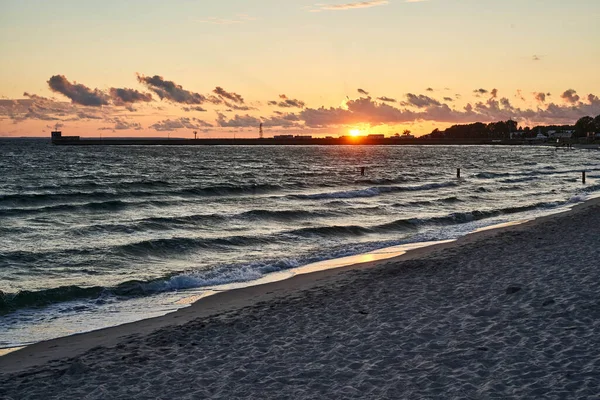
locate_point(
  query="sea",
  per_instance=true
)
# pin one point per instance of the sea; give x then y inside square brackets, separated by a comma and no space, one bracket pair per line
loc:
[98,236]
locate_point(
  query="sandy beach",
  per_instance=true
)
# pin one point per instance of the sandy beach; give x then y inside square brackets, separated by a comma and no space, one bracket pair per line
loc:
[505,313]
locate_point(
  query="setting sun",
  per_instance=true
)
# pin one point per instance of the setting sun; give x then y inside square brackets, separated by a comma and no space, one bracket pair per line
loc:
[354,132]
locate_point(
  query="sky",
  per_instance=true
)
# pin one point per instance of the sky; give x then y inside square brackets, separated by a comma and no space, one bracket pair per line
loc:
[324,67]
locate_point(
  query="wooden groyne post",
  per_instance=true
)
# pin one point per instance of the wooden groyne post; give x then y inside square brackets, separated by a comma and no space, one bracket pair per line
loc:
[583,177]
[458,173]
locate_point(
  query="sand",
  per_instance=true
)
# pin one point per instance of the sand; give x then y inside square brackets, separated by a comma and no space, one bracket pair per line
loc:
[506,313]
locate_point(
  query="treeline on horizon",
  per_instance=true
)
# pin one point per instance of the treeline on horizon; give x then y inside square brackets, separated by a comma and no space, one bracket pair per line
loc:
[502,129]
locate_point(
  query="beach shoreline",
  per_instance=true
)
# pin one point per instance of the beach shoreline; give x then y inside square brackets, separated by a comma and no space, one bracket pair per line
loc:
[237,304]
[235,297]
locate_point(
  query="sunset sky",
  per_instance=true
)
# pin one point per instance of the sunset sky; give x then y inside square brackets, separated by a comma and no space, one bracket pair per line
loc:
[152,68]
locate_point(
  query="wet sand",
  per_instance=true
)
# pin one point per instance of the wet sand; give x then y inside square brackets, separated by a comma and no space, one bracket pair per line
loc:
[504,313]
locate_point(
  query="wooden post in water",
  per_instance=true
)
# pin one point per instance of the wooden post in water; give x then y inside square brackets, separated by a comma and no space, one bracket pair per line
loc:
[458,173]
[583,177]
[362,171]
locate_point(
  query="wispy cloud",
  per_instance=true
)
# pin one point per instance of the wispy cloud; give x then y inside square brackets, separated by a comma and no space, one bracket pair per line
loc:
[349,6]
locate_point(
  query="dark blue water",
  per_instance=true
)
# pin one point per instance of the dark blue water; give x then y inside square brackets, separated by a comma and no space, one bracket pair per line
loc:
[95,236]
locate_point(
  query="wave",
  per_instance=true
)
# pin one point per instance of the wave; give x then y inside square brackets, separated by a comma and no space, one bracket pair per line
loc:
[462,217]
[385,181]
[181,245]
[92,185]
[218,190]
[591,188]
[233,273]
[167,223]
[549,170]
[372,191]
[491,175]
[109,205]
[475,215]
[420,203]
[519,180]
[335,230]
[283,215]
[12,301]
[224,274]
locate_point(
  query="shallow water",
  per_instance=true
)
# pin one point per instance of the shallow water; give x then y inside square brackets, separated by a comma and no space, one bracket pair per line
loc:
[96,236]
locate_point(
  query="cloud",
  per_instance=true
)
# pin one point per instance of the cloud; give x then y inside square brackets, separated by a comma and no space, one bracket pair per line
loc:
[122,96]
[363,92]
[78,93]
[86,115]
[21,110]
[169,90]
[214,99]
[286,102]
[540,96]
[286,120]
[232,106]
[386,99]
[237,121]
[448,99]
[570,96]
[41,108]
[494,93]
[236,98]
[181,123]
[429,89]
[121,124]
[519,95]
[536,57]
[350,6]
[367,111]
[287,116]
[420,101]
[194,108]
[363,110]
[480,91]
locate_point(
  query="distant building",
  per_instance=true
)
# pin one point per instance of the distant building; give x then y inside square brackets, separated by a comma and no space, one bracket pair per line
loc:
[567,134]
[407,135]
[540,137]
[303,137]
[57,135]
[376,136]
[283,137]
[517,134]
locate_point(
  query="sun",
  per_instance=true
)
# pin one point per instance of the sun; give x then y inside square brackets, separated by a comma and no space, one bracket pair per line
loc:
[354,132]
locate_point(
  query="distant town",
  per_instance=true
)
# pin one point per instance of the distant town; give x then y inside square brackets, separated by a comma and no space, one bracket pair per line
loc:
[585,131]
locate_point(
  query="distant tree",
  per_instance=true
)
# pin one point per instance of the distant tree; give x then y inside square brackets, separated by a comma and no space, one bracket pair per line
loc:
[501,129]
[583,126]
[597,123]
[406,132]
